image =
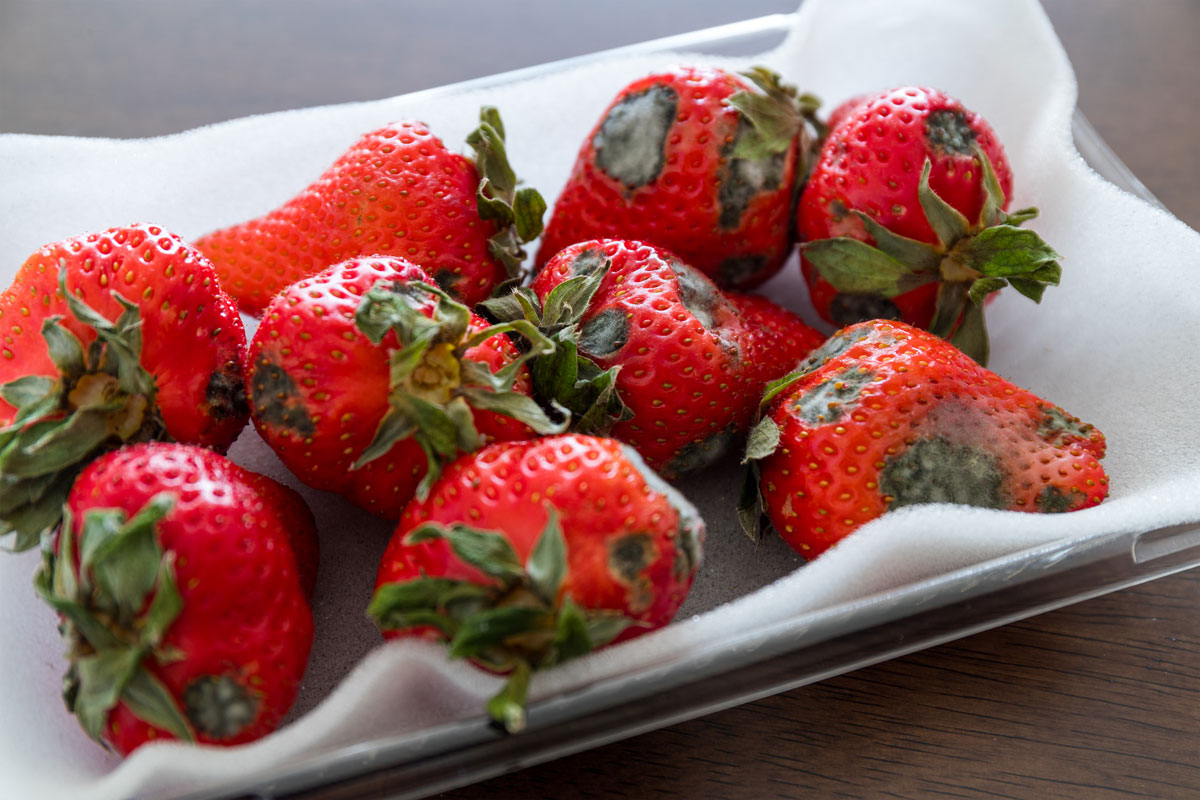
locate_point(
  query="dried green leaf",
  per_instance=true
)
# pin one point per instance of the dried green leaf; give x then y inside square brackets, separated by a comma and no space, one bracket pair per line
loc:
[547,563]
[762,441]
[491,627]
[948,224]
[151,702]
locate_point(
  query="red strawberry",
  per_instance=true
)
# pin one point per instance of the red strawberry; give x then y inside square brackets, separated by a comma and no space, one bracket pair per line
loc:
[924,180]
[397,191]
[670,343]
[779,340]
[651,352]
[695,161]
[526,554]
[179,598]
[141,344]
[365,379]
[297,522]
[843,111]
[885,415]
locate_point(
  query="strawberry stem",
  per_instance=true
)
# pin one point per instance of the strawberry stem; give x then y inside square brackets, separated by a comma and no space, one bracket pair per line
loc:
[507,708]
[518,211]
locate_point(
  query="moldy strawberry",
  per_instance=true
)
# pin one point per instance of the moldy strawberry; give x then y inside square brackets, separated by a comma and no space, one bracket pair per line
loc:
[696,161]
[904,217]
[527,554]
[650,351]
[366,378]
[885,415]
[119,336]
[179,598]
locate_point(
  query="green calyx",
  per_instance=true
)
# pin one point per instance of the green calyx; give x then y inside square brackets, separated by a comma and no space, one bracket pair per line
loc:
[764,436]
[114,589]
[565,377]
[969,260]
[520,622]
[761,443]
[433,385]
[101,399]
[518,211]
[777,115]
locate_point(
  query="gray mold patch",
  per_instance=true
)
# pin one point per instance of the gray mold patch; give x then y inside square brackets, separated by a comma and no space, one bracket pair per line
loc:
[696,292]
[848,308]
[949,132]
[589,261]
[833,347]
[277,399]
[1057,424]
[702,454]
[743,179]
[738,270]
[936,470]
[225,395]
[604,334]
[828,401]
[629,145]
[1053,500]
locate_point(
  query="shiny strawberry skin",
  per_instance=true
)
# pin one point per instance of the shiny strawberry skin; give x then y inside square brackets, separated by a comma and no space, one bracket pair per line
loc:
[396,191]
[842,112]
[298,523]
[680,344]
[778,339]
[629,547]
[319,387]
[871,162]
[244,616]
[193,339]
[890,415]
[681,192]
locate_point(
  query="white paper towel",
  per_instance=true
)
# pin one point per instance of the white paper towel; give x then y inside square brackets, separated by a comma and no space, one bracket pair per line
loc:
[1113,344]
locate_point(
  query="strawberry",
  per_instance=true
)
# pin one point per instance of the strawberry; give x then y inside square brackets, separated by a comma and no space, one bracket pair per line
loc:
[904,217]
[885,415]
[179,599]
[297,521]
[667,362]
[365,379]
[110,337]
[695,161]
[778,339]
[526,554]
[398,191]
[842,112]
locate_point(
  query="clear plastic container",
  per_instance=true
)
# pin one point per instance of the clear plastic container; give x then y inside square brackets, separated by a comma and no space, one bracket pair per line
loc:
[774,658]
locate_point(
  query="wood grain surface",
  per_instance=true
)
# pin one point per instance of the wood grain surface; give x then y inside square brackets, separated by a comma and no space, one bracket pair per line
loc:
[1099,700]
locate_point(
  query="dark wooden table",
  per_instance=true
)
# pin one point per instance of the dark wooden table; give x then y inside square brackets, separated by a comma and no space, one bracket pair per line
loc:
[1099,700]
